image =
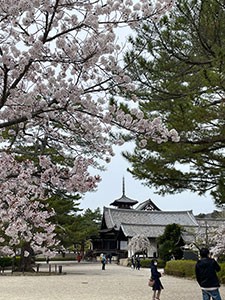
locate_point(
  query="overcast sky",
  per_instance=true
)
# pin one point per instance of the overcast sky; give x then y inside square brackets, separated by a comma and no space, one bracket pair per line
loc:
[110,188]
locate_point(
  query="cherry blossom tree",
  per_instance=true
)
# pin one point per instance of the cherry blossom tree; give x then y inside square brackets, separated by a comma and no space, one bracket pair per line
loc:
[212,237]
[218,242]
[24,221]
[139,244]
[59,64]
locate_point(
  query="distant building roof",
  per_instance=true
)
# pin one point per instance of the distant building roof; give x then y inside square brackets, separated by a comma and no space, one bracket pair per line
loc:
[147,205]
[210,222]
[150,231]
[113,218]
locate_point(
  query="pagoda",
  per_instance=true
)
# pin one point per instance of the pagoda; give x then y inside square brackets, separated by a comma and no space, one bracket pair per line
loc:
[124,202]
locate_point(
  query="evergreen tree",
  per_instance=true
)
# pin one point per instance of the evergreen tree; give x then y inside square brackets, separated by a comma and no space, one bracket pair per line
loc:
[170,242]
[66,209]
[180,77]
[85,227]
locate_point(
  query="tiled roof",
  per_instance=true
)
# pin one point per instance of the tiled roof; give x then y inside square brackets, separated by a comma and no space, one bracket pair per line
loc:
[124,199]
[150,231]
[210,222]
[114,217]
[147,205]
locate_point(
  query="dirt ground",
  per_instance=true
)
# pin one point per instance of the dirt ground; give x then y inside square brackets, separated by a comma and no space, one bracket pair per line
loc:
[88,282]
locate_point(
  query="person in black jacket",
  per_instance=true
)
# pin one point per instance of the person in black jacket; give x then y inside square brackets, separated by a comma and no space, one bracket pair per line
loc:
[205,270]
[155,275]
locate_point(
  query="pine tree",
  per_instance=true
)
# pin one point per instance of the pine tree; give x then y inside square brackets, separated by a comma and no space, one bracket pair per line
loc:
[180,77]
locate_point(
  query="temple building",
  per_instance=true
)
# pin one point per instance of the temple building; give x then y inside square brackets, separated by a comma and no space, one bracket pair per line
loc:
[122,222]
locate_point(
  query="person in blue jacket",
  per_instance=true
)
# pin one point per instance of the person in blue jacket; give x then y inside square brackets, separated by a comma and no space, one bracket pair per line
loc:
[103,261]
[205,271]
[155,275]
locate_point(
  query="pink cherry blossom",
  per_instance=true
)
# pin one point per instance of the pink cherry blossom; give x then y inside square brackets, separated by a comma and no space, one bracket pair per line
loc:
[60,62]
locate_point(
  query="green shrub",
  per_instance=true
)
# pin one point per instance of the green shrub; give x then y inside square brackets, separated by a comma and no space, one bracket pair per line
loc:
[221,273]
[181,268]
[221,259]
[145,263]
[186,268]
[5,261]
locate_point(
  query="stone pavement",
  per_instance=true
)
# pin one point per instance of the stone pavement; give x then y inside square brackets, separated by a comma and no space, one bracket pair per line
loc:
[88,282]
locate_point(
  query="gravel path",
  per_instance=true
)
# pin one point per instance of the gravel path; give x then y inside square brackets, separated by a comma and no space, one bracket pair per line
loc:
[88,282]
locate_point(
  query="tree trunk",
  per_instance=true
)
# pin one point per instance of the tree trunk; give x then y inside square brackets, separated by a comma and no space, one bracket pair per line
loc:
[26,261]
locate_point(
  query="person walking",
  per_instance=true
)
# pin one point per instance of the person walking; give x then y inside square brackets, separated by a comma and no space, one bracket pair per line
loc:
[155,275]
[138,263]
[205,270]
[133,262]
[103,261]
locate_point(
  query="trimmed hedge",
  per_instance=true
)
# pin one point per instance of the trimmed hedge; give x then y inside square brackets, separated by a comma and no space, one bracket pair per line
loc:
[145,263]
[186,268]
[181,268]
[221,273]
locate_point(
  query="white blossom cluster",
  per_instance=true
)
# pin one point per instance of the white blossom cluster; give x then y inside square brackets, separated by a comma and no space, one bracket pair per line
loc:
[210,237]
[58,67]
[23,219]
[139,243]
[218,241]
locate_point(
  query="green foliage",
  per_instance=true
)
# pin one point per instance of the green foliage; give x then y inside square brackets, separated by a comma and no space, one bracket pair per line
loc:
[145,263]
[221,259]
[186,268]
[66,209]
[74,228]
[6,261]
[221,273]
[170,242]
[178,65]
[181,268]
[85,227]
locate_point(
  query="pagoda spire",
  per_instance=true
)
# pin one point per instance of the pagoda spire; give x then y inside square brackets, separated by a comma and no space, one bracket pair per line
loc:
[123,191]
[124,201]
